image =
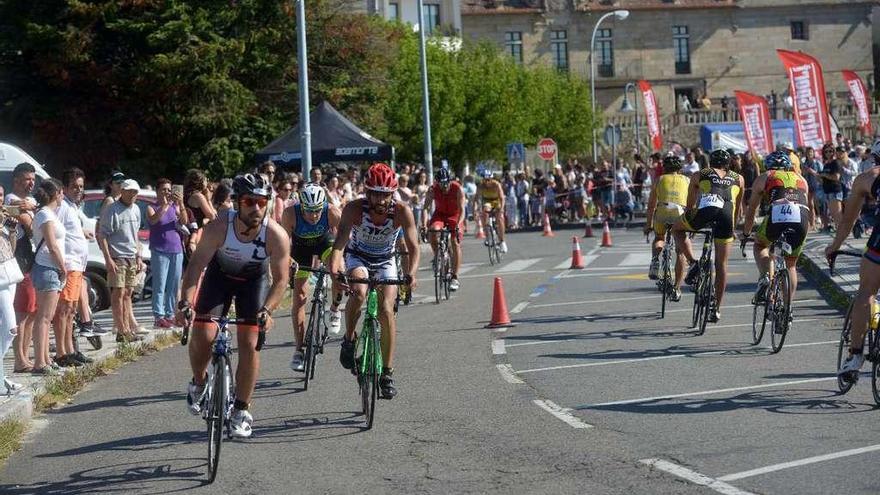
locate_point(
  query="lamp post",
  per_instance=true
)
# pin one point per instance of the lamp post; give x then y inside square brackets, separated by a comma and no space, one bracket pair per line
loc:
[426,110]
[626,107]
[305,127]
[621,15]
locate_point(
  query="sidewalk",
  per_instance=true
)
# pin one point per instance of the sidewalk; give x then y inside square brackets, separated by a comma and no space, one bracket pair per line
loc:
[21,404]
[841,286]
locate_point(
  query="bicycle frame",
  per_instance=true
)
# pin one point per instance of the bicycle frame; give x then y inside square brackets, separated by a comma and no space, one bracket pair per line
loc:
[705,293]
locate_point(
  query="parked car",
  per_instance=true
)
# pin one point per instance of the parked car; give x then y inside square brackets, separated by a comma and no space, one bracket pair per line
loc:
[10,156]
[96,271]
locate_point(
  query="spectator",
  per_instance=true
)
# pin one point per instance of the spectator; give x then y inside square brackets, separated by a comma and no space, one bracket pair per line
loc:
[849,170]
[2,193]
[418,196]
[7,296]
[196,198]
[510,203]
[750,172]
[832,186]
[866,160]
[725,104]
[736,161]
[639,175]
[76,255]
[705,102]
[283,191]
[121,248]
[684,104]
[334,193]
[49,274]
[522,199]
[267,170]
[811,168]
[604,179]
[700,157]
[690,164]
[166,251]
[221,200]
[623,202]
[316,175]
[25,303]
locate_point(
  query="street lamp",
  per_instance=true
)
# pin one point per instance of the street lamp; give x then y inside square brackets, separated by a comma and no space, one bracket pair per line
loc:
[305,128]
[620,15]
[426,109]
[626,107]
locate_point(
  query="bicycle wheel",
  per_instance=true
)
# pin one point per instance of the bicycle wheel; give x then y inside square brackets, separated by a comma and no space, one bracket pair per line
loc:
[781,311]
[707,286]
[665,282]
[697,311]
[446,276]
[491,244]
[367,372]
[759,322]
[437,274]
[216,414]
[844,382]
[874,356]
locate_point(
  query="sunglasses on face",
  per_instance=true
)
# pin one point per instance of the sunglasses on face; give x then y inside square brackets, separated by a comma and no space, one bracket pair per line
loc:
[251,201]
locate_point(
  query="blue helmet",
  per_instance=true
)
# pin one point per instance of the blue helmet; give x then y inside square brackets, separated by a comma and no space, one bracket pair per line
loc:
[777,160]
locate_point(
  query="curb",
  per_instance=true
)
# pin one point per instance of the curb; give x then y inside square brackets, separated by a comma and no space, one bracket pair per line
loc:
[836,296]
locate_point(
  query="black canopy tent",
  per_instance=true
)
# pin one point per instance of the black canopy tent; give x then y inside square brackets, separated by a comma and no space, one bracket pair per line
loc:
[334,139]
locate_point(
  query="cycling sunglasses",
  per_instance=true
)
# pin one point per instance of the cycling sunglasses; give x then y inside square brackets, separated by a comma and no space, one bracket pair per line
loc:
[251,201]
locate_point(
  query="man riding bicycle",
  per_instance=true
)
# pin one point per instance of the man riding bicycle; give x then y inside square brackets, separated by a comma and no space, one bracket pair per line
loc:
[492,195]
[865,188]
[786,193]
[311,224]
[714,196]
[238,249]
[447,197]
[367,235]
[665,206]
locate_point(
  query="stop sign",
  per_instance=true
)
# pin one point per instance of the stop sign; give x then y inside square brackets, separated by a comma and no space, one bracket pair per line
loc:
[547,149]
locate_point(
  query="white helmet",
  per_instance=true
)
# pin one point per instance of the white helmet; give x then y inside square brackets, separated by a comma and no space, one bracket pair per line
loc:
[312,197]
[875,149]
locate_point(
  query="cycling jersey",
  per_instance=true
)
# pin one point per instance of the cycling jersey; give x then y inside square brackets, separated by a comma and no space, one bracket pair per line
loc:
[783,185]
[672,191]
[308,240]
[447,204]
[239,259]
[872,249]
[371,241]
[788,213]
[717,203]
[489,193]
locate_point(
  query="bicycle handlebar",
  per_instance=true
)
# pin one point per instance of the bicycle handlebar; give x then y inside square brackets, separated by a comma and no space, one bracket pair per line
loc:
[373,282]
[314,270]
[190,317]
[832,258]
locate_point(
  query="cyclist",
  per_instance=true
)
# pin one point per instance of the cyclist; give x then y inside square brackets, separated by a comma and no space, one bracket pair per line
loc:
[311,224]
[786,193]
[665,205]
[492,195]
[714,195]
[865,188]
[366,236]
[238,249]
[449,202]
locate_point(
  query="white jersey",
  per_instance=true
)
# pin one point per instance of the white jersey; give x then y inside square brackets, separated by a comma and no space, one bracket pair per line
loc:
[371,240]
[243,259]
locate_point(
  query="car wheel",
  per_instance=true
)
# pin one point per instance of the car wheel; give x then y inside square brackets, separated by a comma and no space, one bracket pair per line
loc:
[98,291]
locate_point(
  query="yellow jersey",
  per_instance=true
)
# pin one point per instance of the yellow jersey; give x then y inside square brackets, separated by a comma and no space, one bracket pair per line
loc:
[673,189]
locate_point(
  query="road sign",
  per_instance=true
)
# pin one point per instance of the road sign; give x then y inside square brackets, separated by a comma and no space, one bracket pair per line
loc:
[516,152]
[612,135]
[547,149]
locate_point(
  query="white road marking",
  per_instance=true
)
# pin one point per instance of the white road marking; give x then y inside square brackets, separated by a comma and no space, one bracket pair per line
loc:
[601,363]
[636,259]
[498,347]
[493,274]
[577,303]
[801,462]
[508,374]
[589,258]
[519,307]
[706,392]
[518,265]
[694,477]
[465,269]
[562,413]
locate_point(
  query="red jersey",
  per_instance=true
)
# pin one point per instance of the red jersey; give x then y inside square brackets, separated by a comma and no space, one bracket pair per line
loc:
[447,204]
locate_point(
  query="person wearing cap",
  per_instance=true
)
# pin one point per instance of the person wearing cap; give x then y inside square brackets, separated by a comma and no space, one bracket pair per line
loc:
[832,186]
[850,169]
[118,240]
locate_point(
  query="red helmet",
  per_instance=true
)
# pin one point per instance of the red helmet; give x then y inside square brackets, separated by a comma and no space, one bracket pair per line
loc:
[381,178]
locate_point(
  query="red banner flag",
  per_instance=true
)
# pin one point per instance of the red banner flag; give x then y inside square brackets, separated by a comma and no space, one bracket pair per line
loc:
[808,92]
[860,97]
[652,114]
[755,115]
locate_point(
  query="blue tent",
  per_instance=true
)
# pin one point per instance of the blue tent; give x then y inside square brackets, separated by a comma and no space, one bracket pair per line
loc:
[713,136]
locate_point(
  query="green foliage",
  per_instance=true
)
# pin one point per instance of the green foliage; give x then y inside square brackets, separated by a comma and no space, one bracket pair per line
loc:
[158,86]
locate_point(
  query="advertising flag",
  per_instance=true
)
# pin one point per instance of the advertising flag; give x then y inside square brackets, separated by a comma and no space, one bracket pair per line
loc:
[755,114]
[652,115]
[808,92]
[860,97]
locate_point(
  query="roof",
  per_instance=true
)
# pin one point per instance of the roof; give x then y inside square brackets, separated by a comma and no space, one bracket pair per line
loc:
[609,5]
[482,7]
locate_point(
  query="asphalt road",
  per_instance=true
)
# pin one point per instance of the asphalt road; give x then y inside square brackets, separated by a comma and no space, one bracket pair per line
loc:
[478,411]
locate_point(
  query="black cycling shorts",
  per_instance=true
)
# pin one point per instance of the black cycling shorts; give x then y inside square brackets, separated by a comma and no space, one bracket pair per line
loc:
[218,290]
[723,217]
[303,254]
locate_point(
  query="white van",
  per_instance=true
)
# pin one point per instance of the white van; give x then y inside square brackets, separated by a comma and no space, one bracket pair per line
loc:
[10,156]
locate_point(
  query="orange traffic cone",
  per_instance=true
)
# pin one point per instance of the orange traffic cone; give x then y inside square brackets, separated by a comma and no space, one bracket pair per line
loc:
[577,261]
[588,229]
[548,232]
[500,317]
[606,236]
[478,229]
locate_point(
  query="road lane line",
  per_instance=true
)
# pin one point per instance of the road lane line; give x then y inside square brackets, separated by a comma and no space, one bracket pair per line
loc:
[575,303]
[519,307]
[518,265]
[562,413]
[694,477]
[705,392]
[465,269]
[493,274]
[602,363]
[508,374]
[498,347]
[801,462]
[636,259]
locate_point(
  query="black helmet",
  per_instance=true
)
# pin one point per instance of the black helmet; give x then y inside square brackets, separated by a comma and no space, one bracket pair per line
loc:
[443,176]
[671,163]
[777,160]
[719,159]
[252,184]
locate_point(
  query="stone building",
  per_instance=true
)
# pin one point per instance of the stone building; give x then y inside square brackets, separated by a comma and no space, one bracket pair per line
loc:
[683,47]
[442,17]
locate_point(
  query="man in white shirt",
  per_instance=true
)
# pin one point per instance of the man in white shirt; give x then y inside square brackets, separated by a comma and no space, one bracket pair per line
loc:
[690,164]
[23,181]
[76,254]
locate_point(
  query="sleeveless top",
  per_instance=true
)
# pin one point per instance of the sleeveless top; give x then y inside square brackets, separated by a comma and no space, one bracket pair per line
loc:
[245,260]
[446,203]
[306,235]
[785,185]
[489,194]
[672,189]
[164,236]
[727,187]
[372,241]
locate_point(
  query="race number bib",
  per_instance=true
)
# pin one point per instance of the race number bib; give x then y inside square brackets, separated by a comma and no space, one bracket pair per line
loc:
[711,200]
[785,213]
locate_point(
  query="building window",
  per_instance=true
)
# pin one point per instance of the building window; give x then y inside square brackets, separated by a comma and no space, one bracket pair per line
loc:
[432,18]
[682,49]
[799,30]
[559,47]
[393,12]
[513,44]
[605,53]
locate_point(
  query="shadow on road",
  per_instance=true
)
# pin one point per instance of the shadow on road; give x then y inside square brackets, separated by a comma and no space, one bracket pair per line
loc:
[307,427]
[139,400]
[721,349]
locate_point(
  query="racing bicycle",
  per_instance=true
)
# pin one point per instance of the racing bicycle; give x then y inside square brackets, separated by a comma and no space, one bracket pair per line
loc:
[704,294]
[316,331]
[773,302]
[442,264]
[492,241]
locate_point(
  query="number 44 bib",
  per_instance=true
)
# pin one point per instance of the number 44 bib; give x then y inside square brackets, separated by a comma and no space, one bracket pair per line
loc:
[785,213]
